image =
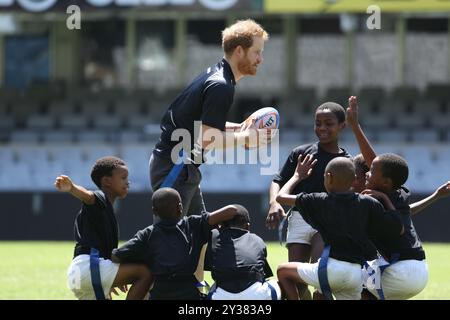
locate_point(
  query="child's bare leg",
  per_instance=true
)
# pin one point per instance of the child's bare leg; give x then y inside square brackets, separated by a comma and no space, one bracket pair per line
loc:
[138,275]
[200,272]
[366,295]
[316,252]
[289,280]
[299,252]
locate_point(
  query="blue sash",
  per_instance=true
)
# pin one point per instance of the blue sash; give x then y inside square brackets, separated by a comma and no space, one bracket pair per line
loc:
[211,291]
[273,292]
[174,172]
[322,273]
[95,274]
[394,259]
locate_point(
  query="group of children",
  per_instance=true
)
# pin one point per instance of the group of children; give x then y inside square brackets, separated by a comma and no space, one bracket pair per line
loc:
[353,214]
[160,261]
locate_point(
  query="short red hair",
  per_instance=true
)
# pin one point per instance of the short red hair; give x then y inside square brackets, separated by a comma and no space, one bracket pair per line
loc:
[241,34]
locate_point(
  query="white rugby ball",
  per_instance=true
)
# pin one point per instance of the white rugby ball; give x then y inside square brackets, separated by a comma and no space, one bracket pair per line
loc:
[265,118]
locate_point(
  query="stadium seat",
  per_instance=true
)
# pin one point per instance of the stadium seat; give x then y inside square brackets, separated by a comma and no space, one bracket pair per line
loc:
[438,92]
[425,136]
[7,122]
[410,121]
[39,122]
[378,121]
[129,136]
[58,136]
[127,106]
[338,94]
[7,156]
[16,178]
[108,122]
[93,108]
[25,136]
[91,136]
[440,121]
[138,121]
[61,107]
[32,155]
[78,122]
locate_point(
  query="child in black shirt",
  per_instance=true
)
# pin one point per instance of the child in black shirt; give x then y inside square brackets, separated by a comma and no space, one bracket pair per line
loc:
[345,220]
[171,247]
[403,263]
[303,242]
[92,274]
[237,259]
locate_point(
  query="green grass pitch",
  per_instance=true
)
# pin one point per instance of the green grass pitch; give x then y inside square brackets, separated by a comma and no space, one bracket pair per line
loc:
[37,270]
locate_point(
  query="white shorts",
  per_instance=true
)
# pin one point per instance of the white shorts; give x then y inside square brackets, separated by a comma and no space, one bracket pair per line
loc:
[298,230]
[344,278]
[257,291]
[401,280]
[79,277]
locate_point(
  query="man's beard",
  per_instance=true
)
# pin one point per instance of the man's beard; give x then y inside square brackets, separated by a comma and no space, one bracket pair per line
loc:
[246,68]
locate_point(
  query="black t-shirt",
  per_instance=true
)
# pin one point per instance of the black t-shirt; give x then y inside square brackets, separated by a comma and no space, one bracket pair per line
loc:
[408,246]
[171,249]
[346,221]
[236,259]
[208,99]
[314,183]
[96,227]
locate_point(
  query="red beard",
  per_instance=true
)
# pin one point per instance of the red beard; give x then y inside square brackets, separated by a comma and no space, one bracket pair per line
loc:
[246,68]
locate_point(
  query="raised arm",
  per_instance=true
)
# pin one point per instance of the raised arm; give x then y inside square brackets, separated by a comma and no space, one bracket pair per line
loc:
[352,120]
[302,171]
[223,214]
[440,193]
[64,184]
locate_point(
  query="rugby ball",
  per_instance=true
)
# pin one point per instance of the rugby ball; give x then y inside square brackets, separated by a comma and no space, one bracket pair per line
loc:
[265,118]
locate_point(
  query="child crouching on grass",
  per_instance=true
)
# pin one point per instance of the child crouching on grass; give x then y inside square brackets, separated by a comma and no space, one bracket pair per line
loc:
[92,275]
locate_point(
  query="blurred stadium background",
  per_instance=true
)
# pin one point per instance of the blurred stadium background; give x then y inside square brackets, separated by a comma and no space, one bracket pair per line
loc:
[68,97]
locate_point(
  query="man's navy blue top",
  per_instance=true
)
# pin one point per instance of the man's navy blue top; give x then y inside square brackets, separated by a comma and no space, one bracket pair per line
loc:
[347,221]
[208,99]
[96,227]
[314,183]
[236,259]
[408,246]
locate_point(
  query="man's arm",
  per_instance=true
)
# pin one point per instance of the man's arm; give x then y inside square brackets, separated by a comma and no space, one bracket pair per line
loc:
[64,183]
[213,138]
[352,120]
[233,126]
[223,214]
[440,193]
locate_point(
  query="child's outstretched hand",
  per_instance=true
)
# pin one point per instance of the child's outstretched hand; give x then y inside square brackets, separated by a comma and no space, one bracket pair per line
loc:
[63,183]
[443,191]
[304,167]
[352,111]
